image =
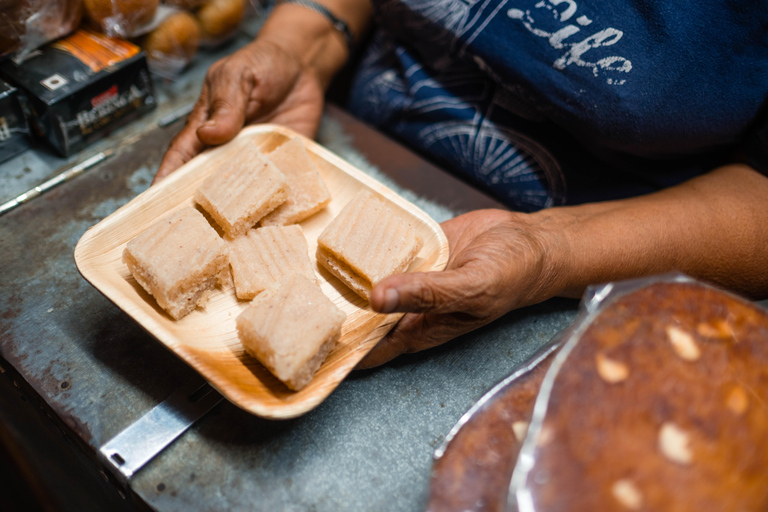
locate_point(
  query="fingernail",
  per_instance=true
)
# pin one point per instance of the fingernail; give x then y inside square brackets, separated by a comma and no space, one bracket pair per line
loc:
[209,124]
[390,300]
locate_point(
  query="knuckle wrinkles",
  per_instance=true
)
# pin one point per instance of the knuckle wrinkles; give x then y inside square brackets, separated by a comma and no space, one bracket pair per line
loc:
[220,104]
[428,297]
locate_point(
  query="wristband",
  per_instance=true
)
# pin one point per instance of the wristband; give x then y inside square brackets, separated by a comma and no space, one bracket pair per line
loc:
[338,24]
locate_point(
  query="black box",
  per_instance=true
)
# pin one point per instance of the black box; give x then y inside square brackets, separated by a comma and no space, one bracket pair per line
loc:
[82,87]
[13,125]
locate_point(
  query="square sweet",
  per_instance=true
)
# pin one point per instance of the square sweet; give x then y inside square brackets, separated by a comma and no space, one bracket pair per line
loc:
[367,242]
[266,256]
[242,190]
[177,260]
[291,328]
[308,193]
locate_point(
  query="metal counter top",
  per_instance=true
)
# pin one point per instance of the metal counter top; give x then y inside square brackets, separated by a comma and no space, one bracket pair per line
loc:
[368,447]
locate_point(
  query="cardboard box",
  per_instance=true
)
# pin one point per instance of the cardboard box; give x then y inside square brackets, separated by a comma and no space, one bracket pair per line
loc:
[13,125]
[82,87]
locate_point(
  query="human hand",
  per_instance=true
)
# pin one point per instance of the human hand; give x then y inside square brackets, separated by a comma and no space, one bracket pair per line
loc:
[260,83]
[708,227]
[498,261]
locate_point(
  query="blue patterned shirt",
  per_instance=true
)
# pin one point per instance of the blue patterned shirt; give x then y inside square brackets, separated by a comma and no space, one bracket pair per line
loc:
[547,102]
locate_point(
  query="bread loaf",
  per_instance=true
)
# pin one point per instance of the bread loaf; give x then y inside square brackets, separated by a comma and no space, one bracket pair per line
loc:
[220,18]
[120,17]
[176,38]
[185,4]
[29,24]
[13,25]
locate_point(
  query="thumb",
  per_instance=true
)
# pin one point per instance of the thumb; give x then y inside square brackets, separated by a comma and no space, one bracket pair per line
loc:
[448,291]
[228,101]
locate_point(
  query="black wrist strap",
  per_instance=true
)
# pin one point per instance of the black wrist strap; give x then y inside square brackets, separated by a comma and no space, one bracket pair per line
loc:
[338,24]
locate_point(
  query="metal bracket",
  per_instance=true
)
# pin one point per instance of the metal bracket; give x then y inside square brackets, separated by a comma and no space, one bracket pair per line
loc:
[140,442]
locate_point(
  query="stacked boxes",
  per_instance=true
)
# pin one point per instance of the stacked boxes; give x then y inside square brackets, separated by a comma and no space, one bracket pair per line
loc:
[13,126]
[82,87]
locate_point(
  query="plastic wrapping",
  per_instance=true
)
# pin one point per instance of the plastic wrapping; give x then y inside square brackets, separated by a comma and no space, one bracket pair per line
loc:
[173,41]
[656,401]
[180,27]
[123,18]
[473,466]
[25,25]
[219,20]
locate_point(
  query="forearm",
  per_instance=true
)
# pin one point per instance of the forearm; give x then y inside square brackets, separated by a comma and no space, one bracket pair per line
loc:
[312,38]
[714,227]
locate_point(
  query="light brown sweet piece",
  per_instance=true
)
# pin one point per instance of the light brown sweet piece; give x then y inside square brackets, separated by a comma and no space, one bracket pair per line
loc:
[308,193]
[367,242]
[242,190]
[266,256]
[177,260]
[291,328]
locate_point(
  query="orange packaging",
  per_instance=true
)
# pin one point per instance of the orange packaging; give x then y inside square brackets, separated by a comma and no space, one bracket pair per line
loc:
[82,87]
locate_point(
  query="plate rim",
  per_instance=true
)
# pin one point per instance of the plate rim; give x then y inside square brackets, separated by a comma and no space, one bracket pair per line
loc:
[90,271]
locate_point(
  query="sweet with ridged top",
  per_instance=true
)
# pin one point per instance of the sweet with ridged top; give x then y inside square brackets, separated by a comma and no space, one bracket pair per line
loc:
[177,260]
[265,256]
[367,242]
[308,193]
[242,190]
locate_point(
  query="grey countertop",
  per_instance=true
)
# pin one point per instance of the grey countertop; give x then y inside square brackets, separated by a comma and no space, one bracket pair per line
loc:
[368,447]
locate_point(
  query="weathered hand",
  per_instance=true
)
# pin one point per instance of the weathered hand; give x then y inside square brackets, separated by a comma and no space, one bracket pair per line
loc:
[259,83]
[498,262]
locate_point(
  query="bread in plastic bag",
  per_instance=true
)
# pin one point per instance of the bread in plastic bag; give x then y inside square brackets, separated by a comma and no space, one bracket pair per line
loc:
[173,43]
[220,19]
[26,25]
[122,18]
[189,5]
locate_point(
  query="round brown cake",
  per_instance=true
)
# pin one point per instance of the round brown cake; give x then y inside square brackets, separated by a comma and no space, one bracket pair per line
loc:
[661,406]
[474,471]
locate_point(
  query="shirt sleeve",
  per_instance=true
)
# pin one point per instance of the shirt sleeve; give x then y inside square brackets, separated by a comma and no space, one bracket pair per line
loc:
[755,148]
